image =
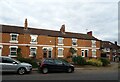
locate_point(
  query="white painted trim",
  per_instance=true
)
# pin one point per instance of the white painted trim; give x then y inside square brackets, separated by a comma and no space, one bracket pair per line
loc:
[1,46]
[14,34]
[60,44]
[13,41]
[33,35]
[60,38]
[61,56]
[85,49]
[12,56]
[38,45]
[74,45]
[33,42]
[48,48]
[34,47]
[61,48]
[74,39]
[13,46]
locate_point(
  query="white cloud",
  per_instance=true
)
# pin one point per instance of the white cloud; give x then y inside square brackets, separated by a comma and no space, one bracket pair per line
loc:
[100,16]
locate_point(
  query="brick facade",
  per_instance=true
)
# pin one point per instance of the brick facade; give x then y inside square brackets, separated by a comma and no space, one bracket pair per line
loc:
[48,42]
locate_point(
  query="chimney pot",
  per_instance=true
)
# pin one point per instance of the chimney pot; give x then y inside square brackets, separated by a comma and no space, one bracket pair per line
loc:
[89,33]
[26,24]
[115,42]
[62,29]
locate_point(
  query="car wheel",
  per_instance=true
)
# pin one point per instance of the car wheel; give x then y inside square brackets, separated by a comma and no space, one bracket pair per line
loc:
[69,70]
[45,70]
[21,71]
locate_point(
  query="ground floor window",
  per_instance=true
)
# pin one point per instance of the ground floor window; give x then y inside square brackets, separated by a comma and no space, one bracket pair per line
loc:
[93,53]
[33,51]
[60,52]
[13,50]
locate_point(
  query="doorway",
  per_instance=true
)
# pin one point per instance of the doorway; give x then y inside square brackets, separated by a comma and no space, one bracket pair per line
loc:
[0,51]
[47,52]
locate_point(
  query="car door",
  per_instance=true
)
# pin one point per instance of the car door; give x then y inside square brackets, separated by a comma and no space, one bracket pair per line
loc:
[50,64]
[8,65]
[59,66]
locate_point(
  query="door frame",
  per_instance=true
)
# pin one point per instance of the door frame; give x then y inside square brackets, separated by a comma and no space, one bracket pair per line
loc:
[48,49]
[1,50]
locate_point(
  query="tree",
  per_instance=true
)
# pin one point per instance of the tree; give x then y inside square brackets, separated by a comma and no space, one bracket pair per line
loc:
[72,51]
[19,54]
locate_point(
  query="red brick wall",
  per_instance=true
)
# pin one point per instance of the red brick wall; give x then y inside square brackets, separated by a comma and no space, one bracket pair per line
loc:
[46,40]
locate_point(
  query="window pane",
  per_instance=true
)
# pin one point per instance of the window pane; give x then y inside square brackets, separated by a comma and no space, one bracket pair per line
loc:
[60,52]
[32,51]
[13,51]
[14,37]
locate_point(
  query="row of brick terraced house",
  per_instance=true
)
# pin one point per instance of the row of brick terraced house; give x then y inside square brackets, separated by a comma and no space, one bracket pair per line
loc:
[46,43]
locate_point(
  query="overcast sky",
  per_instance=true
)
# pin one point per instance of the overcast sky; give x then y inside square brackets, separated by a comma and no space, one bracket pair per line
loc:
[80,16]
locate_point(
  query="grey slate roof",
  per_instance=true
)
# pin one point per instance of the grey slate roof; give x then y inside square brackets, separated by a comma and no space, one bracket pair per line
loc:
[52,33]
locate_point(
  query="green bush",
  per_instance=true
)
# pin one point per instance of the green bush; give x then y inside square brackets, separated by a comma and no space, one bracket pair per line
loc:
[79,60]
[94,62]
[31,61]
[104,61]
[63,60]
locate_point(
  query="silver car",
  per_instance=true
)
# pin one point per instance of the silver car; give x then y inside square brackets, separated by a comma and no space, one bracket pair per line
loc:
[8,64]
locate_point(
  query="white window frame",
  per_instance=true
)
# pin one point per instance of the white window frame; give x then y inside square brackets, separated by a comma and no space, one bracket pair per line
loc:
[36,36]
[14,41]
[83,50]
[60,55]
[10,51]
[30,51]
[60,38]
[74,39]
[93,43]
[94,55]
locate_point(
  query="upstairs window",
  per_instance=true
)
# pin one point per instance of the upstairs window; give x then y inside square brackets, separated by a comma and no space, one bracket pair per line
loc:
[74,42]
[33,38]
[93,43]
[60,41]
[14,37]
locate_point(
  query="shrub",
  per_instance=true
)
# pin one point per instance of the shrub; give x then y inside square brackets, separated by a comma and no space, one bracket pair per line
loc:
[79,60]
[63,60]
[33,62]
[94,62]
[104,61]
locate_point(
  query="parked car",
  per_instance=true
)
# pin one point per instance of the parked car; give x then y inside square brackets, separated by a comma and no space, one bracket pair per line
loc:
[11,65]
[50,64]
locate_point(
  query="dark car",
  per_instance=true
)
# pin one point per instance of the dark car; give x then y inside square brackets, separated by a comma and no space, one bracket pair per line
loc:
[52,65]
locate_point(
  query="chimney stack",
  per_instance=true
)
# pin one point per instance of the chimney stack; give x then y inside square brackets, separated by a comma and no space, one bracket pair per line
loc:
[26,24]
[115,42]
[89,33]
[62,29]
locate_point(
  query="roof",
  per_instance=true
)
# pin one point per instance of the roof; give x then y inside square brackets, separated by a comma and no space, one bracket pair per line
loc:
[53,33]
[108,44]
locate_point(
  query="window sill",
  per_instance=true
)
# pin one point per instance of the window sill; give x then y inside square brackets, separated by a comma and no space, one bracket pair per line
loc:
[12,56]
[33,42]
[60,56]
[30,55]
[13,41]
[74,45]
[61,44]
